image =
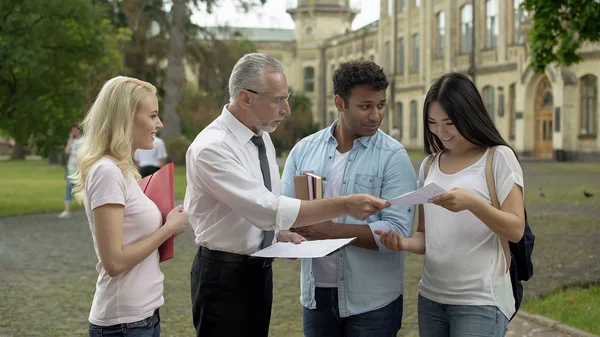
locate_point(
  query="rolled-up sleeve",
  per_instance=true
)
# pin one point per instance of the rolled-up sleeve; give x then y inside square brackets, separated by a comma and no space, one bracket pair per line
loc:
[399,178]
[221,174]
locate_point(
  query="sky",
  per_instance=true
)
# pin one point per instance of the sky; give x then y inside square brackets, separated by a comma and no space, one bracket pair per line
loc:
[272,14]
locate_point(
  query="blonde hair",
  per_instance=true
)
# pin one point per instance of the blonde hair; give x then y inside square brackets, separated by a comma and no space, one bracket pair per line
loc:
[107,128]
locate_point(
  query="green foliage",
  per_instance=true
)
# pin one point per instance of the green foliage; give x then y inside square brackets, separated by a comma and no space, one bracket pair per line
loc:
[176,148]
[578,307]
[54,55]
[559,30]
[296,126]
[202,103]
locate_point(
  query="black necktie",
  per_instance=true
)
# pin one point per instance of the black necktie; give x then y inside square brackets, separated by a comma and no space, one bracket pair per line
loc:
[264,168]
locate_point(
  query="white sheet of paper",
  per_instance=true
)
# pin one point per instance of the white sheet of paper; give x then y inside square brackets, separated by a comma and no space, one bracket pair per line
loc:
[306,249]
[420,196]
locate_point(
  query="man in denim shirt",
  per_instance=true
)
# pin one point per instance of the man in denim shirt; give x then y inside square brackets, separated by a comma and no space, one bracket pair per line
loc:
[358,290]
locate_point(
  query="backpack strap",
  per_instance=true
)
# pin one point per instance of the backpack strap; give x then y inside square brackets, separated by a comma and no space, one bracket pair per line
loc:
[428,164]
[489,178]
[430,160]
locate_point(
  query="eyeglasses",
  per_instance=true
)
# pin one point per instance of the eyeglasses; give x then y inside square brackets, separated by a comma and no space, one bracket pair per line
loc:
[277,101]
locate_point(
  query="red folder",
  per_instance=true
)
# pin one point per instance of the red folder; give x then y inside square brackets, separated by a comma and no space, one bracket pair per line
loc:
[159,187]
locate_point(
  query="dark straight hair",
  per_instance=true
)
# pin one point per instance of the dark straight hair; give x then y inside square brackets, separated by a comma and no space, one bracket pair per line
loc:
[461,100]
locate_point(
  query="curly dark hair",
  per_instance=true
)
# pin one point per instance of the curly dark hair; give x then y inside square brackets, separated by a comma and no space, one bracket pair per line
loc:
[354,73]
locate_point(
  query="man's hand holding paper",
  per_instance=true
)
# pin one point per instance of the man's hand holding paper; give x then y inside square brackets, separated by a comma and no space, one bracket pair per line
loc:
[421,196]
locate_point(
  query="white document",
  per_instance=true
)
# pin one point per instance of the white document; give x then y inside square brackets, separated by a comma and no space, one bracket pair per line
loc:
[306,249]
[420,196]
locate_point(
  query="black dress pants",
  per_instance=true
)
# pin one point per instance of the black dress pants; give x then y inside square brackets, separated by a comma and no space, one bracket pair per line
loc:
[231,294]
[148,170]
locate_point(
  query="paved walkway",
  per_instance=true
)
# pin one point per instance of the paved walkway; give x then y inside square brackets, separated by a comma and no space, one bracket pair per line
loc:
[527,325]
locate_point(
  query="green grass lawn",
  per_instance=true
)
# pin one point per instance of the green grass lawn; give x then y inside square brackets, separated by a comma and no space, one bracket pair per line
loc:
[34,186]
[576,307]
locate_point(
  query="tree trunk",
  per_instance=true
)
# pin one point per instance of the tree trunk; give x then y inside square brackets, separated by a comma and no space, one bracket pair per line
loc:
[175,72]
[18,151]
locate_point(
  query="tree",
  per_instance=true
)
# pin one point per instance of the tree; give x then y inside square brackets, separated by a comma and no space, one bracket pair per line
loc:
[202,102]
[175,71]
[54,55]
[177,51]
[296,126]
[559,29]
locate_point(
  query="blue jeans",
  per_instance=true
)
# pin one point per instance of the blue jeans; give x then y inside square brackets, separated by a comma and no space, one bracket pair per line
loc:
[69,191]
[148,327]
[441,320]
[325,320]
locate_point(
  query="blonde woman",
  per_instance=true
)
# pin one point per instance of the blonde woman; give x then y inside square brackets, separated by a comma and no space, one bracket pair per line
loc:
[125,224]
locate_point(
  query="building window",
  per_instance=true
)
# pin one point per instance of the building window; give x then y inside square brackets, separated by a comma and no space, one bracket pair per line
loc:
[400,62]
[400,6]
[390,7]
[441,34]
[414,120]
[332,116]
[491,19]
[519,16]
[416,53]
[388,56]
[309,79]
[589,105]
[488,100]
[399,119]
[512,105]
[466,28]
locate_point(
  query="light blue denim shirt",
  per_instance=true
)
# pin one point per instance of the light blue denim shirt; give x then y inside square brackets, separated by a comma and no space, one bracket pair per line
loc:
[377,165]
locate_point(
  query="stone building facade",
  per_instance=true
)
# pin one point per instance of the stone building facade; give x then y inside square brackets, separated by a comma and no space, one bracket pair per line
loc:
[552,115]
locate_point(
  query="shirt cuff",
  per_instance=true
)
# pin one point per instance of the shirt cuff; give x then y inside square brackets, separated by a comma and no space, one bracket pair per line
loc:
[381,225]
[287,212]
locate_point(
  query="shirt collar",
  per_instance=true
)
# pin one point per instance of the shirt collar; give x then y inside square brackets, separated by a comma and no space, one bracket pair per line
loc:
[241,132]
[363,140]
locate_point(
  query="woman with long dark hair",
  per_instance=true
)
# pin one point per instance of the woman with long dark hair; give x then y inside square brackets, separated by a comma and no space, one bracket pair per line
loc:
[465,288]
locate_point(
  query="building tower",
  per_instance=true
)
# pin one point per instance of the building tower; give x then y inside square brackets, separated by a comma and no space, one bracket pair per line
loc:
[317,20]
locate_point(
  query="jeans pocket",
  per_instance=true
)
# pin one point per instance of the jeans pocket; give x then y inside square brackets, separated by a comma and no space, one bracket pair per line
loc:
[94,332]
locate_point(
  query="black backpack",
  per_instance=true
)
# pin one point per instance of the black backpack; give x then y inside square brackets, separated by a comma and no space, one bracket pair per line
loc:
[521,266]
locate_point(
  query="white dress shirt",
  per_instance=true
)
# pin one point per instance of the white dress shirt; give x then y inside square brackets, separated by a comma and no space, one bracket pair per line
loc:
[153,156]
[228,204]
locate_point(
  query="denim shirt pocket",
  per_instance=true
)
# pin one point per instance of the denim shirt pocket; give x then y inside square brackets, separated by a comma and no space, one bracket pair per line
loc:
[369,184]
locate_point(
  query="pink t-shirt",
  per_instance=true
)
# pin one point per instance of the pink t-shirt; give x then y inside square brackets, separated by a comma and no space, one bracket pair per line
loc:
[134,294]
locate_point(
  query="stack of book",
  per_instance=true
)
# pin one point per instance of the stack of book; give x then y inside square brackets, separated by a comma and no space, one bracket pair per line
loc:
[308,186]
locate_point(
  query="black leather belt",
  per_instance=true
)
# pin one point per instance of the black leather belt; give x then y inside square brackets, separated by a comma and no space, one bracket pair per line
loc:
[234,258]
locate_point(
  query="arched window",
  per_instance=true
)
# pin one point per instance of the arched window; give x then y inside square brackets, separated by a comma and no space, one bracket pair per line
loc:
[416,52]
[588,106]
[414,120]
[491,26]
[489,100]
[399,120]
[309,79]
[466,28]
[441,34]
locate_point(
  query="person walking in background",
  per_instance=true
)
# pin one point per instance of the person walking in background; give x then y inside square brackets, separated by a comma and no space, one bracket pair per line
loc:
[150,161]
[125,223]
[465,287]
[71,151]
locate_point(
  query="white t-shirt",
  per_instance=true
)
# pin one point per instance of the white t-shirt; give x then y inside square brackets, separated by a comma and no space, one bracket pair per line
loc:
[72,161]
[325,269]
[151,157]
[464,261]
[134,294]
